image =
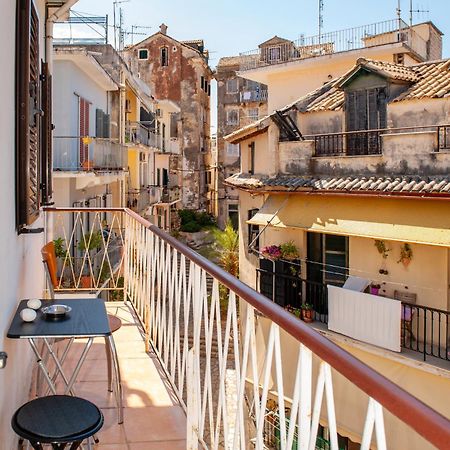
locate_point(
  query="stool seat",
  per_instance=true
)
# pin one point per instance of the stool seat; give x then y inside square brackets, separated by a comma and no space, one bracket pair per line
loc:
[57,419]
[114,323]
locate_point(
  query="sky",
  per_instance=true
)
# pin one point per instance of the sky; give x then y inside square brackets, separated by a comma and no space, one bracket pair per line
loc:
[229,27]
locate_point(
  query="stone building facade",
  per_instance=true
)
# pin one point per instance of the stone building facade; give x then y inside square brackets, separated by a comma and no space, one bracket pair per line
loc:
[178,72]
[239,103]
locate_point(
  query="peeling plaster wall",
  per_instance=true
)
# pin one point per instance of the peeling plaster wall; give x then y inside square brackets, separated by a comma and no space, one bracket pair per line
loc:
[180,82]
[229,164]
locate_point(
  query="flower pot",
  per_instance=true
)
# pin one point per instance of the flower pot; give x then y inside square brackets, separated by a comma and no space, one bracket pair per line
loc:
[405,262]
[307,315]
[86,281]
[374,290]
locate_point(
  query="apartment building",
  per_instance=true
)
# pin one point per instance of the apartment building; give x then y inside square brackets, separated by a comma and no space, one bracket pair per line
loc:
[178,74]
[239,102]
[90,160]
[349,185]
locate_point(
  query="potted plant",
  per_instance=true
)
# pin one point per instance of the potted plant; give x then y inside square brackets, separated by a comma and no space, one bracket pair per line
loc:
[382,248]
[406,254]
[375,288]
[307,312]
[272,252]
[289,251]
[89,242]
[294,310]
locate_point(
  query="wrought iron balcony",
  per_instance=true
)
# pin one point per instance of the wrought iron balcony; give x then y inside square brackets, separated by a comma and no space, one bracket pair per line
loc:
[370,142]
[139,133]
[88,154]
[424,329]
[206,326]
[375,34]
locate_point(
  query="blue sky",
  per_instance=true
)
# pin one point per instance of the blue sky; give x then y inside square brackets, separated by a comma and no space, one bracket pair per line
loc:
[232,26]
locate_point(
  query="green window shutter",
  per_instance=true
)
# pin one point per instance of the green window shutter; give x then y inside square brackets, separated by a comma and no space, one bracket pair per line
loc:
[99,131]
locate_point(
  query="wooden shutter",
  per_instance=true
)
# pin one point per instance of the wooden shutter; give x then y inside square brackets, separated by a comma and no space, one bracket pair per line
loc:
[84,129]
[46,135]
[28,115]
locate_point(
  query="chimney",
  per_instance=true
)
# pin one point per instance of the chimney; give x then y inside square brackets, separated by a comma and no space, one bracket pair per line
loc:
[163,28]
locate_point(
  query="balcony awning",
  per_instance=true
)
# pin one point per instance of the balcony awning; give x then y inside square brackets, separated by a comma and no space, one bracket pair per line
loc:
[416,221]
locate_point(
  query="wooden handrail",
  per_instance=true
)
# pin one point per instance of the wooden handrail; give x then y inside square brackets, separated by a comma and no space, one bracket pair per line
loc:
[427,422]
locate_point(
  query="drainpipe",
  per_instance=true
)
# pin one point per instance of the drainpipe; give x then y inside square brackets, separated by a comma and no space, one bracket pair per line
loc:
[49,31]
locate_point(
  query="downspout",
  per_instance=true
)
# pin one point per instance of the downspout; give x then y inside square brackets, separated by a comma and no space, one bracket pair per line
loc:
[49,31]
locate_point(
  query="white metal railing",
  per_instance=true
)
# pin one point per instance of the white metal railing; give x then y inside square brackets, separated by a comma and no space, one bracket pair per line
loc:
[380,33]
[73,153]
[223,348]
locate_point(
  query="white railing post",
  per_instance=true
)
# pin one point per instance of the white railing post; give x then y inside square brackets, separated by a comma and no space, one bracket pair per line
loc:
[192,422]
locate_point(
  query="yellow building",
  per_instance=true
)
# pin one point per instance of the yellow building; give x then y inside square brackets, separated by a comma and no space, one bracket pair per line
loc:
[355,175]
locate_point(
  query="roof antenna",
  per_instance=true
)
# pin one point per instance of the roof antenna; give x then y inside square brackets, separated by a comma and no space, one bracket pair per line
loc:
[320,18]
[412,10]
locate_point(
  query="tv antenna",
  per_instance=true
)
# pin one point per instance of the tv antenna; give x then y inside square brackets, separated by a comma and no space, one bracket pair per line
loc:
[118,27]
[133,33]
[320,18]
[417,11]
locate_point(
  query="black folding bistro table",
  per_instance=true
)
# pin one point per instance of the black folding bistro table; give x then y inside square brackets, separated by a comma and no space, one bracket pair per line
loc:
[88,319]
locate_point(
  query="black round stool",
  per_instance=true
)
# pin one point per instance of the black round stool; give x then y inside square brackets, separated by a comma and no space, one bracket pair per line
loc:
[57,420]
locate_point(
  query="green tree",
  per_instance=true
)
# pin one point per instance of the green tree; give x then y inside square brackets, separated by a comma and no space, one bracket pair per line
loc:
[227,243]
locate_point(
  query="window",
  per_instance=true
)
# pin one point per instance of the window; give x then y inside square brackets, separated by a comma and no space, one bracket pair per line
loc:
[158,177]
[233,117]
[202,83]
[29,117]
[174,119]
[327,258]
[164,56]
[232,86]
[253,232]
[165,177]
[143,53]
[253,114]
[251,163]
[274,53]
[251,85]
[365,110]
[233,215]
[232,149]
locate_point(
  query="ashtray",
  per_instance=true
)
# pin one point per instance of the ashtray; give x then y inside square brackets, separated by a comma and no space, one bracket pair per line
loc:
[55,312]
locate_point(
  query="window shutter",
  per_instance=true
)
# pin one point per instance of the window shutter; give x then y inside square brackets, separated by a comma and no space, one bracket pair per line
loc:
[46,135]
[99,130]
[174,118]
[84,129]
[28,115]
[106,125]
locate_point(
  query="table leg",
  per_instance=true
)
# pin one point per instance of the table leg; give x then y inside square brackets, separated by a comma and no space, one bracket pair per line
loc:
[42,366]
[59,368]
[62,359]
[78,366]
[118,380]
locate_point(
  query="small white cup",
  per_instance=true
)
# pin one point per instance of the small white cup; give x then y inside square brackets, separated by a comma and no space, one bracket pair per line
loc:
[28,314]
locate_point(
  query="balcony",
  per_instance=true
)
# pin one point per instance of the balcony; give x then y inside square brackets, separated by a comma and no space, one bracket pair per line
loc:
[140,134]
[370,142]
[424,331]
[253,96]
[88,154]
[381,33]
[140,199]
[215,351]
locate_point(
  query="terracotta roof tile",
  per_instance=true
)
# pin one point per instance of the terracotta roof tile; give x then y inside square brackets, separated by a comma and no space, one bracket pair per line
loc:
[404,184]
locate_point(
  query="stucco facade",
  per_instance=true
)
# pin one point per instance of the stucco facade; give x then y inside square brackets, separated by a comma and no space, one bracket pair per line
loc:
[239,102]
[291,190]
[178,72]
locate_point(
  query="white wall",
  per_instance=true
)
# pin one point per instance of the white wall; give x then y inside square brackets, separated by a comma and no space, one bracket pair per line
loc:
[70,82]
[21,273]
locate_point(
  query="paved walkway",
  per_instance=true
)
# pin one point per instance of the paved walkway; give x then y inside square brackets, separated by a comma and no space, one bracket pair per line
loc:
[153,418]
